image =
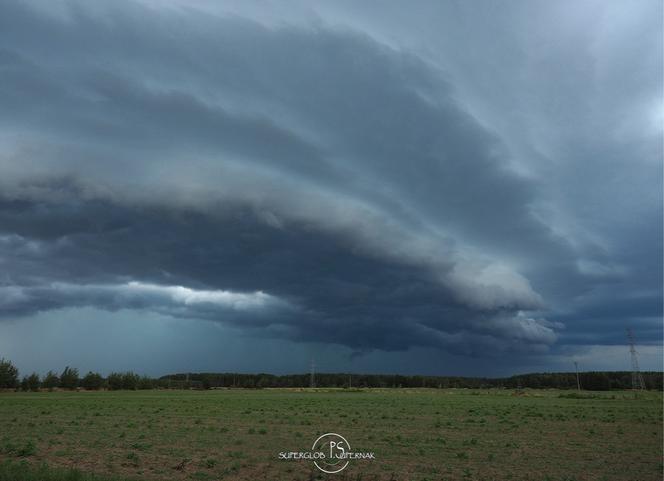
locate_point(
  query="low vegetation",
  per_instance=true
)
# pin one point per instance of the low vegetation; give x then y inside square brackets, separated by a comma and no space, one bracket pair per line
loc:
[416,434]
[24,471]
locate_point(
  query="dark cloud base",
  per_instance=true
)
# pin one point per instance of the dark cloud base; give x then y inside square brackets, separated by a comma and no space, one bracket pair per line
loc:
[341,296]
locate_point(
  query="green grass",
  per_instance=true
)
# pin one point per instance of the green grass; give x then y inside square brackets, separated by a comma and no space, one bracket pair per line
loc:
[415,434]
[23,471]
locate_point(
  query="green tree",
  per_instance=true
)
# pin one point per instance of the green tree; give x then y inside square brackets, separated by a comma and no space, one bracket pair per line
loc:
[92,381]
[146,382]
[51,380]
[31,382]
[8,375]
[130,381]
[69,378]
[114,381]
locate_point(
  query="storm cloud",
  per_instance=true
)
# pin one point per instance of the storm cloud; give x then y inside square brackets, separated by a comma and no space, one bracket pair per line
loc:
[316,176]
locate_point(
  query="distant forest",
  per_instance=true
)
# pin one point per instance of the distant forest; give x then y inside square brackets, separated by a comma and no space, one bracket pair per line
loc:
[594,381]
[70,379]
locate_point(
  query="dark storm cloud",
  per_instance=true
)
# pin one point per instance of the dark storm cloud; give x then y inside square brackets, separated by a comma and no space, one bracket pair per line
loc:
[335,187]
[319,289]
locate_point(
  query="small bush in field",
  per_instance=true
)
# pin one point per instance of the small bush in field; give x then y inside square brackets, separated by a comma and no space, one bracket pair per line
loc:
[133,458]
[28,449]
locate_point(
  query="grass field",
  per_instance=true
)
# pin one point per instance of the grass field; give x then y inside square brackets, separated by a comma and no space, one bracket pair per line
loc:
[415,434]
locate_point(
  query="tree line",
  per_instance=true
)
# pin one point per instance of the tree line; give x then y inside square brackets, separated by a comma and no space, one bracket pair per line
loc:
[593,381]
[69,378]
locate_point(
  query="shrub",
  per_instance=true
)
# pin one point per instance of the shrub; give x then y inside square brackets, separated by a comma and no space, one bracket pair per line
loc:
[28,449]
[133,459]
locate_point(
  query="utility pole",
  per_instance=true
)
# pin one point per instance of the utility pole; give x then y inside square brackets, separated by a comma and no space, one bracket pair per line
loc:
[312,377]
[576,368]
[637,378]
[349,383]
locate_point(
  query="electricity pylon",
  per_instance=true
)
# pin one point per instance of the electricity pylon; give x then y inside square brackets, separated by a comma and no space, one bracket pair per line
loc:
[637,378]
[312,380]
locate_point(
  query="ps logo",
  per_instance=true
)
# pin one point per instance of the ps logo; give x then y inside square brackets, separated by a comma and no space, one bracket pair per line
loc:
[336,446]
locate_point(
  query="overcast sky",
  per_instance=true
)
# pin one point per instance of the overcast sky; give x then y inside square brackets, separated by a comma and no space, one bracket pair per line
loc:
[439,187]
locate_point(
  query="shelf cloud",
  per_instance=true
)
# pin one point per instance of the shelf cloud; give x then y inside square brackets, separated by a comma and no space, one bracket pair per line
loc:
[316,175]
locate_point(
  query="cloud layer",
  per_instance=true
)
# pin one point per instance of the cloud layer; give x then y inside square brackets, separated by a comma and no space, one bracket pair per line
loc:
[310,178]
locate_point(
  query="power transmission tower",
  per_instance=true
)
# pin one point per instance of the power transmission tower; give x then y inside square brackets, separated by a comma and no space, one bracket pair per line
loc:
[576,368]
[637,378]
[312,378]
